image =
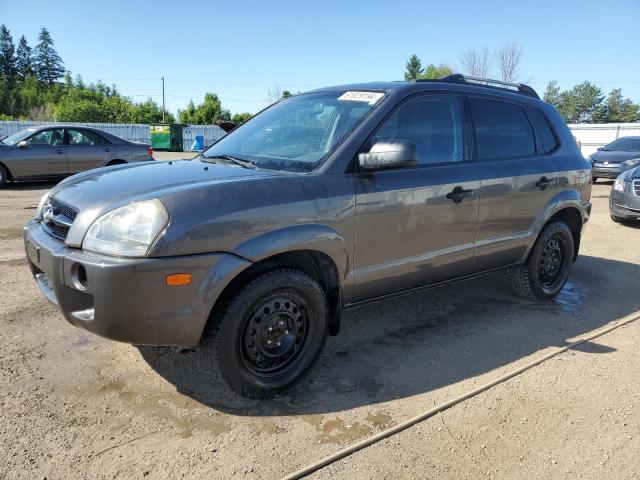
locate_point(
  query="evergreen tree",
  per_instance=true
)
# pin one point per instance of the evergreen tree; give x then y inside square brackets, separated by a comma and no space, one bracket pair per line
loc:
[619,109]
[7,57]
[552,93]
[48,64]
[414,68]
[24,60]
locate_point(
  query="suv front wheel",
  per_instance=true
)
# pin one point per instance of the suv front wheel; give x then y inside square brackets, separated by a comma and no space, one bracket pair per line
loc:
[548,266]
[270,332]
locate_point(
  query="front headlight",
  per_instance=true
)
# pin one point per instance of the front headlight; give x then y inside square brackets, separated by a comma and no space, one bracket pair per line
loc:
[619,184]
[127,231]
[633,161]
[43,200]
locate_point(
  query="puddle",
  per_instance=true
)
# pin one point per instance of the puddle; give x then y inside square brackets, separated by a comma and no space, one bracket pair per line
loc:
[572,298]
[81,341]
[184,413]
[336,430]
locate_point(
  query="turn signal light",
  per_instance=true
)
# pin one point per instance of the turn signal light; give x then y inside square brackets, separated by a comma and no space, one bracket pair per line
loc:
[177,279]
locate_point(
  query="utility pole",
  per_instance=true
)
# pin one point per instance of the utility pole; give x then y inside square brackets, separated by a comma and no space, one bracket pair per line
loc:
[162,99]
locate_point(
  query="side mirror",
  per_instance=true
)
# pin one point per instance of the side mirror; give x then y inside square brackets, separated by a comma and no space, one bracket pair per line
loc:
[399,154]
[600,148]
[22,144]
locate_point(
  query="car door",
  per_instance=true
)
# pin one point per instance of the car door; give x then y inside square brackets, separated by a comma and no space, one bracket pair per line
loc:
[43,154]
[416,226]
[519,179]
[86,149]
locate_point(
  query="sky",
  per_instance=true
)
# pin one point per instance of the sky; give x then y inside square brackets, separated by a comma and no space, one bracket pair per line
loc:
[242,49]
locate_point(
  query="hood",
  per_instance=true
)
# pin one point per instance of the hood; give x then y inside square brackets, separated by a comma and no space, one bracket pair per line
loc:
[633,173]
[613,156]
[96,192]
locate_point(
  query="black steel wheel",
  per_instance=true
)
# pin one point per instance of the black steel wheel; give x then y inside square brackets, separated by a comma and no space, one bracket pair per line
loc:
[548,267]
[275,332]
[551,261]
[270,332]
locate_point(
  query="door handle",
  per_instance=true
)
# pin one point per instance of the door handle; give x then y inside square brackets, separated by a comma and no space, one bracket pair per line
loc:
[107,149]
[60,150]
[545,182]
[458,194]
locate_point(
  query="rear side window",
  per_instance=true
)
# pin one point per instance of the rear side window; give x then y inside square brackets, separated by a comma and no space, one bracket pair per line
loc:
[547,138]
[84,137]
[502,130]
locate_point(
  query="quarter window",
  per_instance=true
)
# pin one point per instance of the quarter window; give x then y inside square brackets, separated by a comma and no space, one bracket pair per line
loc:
[502,130]
[432,123]
[547,138]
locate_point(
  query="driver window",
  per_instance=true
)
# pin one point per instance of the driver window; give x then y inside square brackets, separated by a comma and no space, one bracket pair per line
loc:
[46,137]
[432,123]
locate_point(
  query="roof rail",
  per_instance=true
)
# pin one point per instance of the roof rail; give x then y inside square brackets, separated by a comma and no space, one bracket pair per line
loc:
[520,88]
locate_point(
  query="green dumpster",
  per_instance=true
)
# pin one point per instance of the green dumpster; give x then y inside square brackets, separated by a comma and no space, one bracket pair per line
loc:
[166,137]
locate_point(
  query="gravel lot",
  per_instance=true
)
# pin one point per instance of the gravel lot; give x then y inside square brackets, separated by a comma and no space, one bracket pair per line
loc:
[75,406]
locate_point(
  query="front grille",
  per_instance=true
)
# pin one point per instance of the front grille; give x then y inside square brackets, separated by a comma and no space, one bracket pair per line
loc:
[67,210]
[57,218]
[636,187]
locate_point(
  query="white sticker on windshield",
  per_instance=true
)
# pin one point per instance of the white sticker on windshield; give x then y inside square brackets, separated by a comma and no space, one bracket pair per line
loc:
[368,97]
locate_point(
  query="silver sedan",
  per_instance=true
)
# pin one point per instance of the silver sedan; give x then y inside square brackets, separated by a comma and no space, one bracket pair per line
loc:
[56,151]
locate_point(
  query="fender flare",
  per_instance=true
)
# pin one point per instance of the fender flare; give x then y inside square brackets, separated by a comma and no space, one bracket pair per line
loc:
[562,200]
[318,237]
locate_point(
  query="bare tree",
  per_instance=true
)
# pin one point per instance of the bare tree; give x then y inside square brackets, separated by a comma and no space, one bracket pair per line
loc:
[274,93]
[508,59]
[476,62]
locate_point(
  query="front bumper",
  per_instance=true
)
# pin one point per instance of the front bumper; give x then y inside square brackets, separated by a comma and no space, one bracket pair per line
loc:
[611,170]
[127,299]
[624,204]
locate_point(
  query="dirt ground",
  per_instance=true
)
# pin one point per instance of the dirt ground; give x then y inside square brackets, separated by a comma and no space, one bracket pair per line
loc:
[73,405]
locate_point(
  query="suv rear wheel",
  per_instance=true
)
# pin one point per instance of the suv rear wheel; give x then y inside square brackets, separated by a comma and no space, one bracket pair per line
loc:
[548,267]
[270,332]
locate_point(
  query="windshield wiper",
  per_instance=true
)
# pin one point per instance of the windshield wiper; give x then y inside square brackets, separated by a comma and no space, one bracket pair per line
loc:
[235,160]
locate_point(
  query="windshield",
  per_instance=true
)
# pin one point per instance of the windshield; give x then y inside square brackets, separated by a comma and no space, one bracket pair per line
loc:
[297,133]
[16,137]
[625,144]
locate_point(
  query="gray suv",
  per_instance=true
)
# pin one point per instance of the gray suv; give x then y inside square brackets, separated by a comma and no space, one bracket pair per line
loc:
[320,202]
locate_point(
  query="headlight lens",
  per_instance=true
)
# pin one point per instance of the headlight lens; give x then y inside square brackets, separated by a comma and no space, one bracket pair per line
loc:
[633,161]
[127,231]
[43,200]
[619,184]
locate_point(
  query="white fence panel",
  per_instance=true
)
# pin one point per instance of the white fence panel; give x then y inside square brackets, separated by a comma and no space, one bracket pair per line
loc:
[135,132]
[594,135]
[211,133]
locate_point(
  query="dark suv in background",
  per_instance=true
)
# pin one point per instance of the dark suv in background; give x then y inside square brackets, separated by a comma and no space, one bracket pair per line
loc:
[321,202]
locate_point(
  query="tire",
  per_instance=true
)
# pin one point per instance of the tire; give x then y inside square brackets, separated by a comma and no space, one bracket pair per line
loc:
[261,352]
[4,176]
[594,180]
[549,264]
[115,162]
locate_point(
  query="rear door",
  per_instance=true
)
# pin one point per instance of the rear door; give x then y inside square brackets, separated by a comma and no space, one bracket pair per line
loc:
[417,225]
[519,178]
[86,150]
[43,156]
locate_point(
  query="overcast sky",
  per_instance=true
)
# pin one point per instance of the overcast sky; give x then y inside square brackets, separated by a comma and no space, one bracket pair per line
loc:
[241,49]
